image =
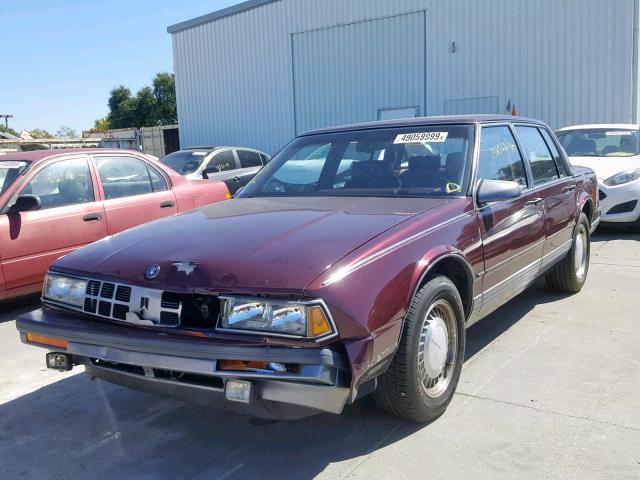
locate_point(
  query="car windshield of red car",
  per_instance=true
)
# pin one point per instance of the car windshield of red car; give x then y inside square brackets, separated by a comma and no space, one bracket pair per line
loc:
[10,170]
[430,161]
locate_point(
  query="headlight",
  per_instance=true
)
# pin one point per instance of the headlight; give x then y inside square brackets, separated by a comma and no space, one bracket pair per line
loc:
[622,178]
[66,290]
[279,317]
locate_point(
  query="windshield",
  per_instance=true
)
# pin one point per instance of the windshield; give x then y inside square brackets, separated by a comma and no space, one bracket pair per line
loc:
[10,170]
[429,161]
[184,162]
[601,142]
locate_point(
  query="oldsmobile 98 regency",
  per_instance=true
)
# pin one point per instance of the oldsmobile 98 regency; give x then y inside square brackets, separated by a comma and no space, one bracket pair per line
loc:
[350,265]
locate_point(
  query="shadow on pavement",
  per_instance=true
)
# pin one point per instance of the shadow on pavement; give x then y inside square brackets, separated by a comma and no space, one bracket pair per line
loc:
[10,309]
[79,428]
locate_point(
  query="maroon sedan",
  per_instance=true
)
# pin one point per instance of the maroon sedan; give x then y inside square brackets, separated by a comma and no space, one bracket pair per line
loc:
[52,202]
[351,264]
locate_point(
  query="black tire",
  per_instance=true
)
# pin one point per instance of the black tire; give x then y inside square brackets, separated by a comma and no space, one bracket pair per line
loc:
[401,391]
[566,276]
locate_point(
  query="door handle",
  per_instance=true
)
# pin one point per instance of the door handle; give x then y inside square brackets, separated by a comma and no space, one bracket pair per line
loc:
[571,188]
[534,201]
[236,179]
[92,217]
[167,204]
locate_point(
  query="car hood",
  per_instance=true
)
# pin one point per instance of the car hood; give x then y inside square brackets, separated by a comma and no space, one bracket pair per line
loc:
[606,167]
[247,244]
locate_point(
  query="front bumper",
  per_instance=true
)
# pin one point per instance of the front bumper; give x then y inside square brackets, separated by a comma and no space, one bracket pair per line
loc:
[612,197]
[187,368]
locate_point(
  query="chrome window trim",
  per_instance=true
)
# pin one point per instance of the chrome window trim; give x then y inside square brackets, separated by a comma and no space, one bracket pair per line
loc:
[318,301]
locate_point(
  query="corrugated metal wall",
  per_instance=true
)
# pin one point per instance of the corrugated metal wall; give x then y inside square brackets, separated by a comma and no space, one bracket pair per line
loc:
[563,61]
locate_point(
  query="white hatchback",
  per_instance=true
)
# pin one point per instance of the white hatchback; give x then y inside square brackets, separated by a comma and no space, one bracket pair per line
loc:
[613,151]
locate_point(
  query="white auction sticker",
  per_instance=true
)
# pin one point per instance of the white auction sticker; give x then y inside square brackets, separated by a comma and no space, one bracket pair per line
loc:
[199,154]
[422,137]
[619,133]
[12,164]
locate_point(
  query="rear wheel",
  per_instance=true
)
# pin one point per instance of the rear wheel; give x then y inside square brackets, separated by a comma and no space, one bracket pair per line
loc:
[570,274]
[424,373]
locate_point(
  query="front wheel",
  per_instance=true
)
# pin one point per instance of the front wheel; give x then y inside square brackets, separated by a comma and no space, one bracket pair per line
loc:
[570,274]
[424,372]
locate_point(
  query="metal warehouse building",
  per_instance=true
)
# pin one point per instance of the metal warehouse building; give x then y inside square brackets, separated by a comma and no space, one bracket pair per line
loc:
[260,72]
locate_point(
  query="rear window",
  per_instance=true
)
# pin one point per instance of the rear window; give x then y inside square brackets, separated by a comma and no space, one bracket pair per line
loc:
[185,161]
[10,170]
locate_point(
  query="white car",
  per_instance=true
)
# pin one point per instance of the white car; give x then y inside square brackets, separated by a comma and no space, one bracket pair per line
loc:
[613,151]
[235,166]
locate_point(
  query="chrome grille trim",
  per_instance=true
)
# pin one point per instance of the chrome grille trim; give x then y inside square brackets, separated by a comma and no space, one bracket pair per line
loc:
[114,301]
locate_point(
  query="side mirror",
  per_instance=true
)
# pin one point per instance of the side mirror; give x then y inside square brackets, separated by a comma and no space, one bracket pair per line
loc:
[208,170]
[26,203]
[490,191]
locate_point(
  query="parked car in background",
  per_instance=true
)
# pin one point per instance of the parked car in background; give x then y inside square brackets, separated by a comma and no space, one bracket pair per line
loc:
[613,151]
[54,201]
[325,287]
[235,166]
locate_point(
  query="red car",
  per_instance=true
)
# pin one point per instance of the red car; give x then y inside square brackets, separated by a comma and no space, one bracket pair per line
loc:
[52,202]
[352,264]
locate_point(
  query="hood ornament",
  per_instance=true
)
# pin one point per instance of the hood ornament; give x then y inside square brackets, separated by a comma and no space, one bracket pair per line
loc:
[152,271]
[186,267]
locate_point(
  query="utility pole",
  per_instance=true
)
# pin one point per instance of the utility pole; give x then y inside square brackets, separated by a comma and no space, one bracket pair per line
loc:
[6,120]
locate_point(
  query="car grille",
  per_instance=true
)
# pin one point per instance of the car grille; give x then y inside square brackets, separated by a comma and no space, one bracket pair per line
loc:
[115,301]
[601,195]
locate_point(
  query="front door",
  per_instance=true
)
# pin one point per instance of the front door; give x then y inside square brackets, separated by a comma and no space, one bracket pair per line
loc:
[134,191]
[512,231]
[70,217]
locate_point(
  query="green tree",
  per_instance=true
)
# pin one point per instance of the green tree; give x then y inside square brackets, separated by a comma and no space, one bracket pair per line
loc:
[122,108]
[65,132]
[145,108]
[9,130]
[164,89]
[101,125]
[149,107]
[39,133]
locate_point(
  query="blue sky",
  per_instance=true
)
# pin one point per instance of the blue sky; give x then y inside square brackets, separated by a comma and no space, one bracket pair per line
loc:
[61,58]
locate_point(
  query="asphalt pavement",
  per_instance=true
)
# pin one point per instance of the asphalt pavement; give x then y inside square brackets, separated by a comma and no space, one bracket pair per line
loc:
[550,389]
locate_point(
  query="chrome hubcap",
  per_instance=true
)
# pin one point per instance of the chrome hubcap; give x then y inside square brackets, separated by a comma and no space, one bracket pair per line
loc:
[437,349]
[581,253]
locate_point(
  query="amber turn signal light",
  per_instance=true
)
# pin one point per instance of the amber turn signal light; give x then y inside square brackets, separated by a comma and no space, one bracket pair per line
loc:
[318,322]
[49,342]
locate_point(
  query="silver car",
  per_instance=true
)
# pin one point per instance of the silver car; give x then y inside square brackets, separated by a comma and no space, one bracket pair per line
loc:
[235,166]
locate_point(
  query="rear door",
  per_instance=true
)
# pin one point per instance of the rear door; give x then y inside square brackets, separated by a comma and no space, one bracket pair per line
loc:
[513,230]
[134,191]
[553,186]
[71,216]
[250,163]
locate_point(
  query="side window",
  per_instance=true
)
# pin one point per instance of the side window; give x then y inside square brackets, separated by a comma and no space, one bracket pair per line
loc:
[124,176]
[224,161]
[560,163]
[67,182]
[535,148]
[499,156]
[248,159]
[158,183]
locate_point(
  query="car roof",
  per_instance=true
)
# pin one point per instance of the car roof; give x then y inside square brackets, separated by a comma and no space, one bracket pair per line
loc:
[37,156]
[426,121]
[627,126]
